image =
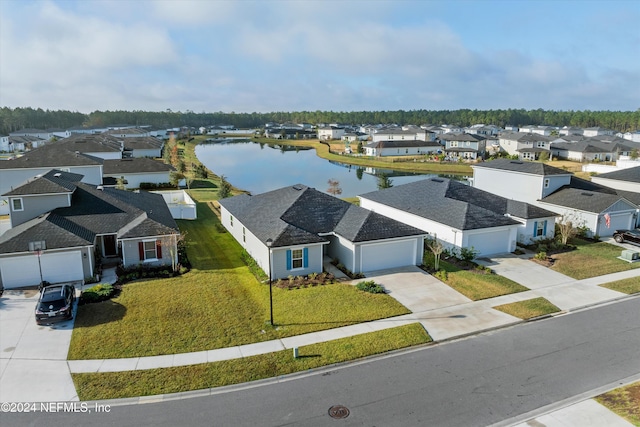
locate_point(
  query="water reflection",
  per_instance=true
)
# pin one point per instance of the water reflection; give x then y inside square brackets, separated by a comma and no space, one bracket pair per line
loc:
[259,167]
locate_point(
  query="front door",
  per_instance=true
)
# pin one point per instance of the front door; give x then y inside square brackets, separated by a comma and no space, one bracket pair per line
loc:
[110,248]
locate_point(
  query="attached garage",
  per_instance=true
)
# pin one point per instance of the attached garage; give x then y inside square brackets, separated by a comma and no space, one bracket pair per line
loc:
[622,221]
[490,242]
[382,255]
[21,271]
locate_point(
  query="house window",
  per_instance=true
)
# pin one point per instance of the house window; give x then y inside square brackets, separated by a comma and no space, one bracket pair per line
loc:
[453,143]
[244,235]
[16,205]
[231,219]
[540,228]
[546,183]
[297,258]
[150,250]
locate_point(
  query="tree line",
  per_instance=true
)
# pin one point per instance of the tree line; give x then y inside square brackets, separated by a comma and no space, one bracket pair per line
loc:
[13,119]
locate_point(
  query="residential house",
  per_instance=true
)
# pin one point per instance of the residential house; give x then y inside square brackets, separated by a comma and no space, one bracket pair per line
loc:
[591,149]
[4,144]
[397,134]
[297,227]
[103,146]
[461,216]
[45,134]
[600,210]
[327,133]
[15,172]
[93,223]
[401,148]
[527,146]
[596,131]
[627,179]
[538,130]
[135,171]
[466,146]
[570,130]
[146,146]
[132,132]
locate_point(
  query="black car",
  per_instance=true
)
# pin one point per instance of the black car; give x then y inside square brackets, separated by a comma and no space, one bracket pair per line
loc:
[627,236]
[55,303]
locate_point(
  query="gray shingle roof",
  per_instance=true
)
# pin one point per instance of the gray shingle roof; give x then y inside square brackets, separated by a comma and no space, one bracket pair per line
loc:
[135,165]
[533,168]
[54,181]
[628,174]
[300,215]
[50,156]
[455,204]
[584,200]
[93,212]
[142,143]
[90,143]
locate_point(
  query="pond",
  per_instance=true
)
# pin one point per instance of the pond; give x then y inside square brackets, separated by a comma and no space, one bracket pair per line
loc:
[258,168]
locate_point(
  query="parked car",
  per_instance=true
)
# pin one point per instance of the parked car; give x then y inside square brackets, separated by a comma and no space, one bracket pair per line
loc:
[627,236]
[55,303]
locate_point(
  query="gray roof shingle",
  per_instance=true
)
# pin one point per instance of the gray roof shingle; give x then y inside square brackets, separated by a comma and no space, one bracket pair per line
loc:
[54,181]
[456,204]
[533,168]
[135,165]
[301,215]
[628,174]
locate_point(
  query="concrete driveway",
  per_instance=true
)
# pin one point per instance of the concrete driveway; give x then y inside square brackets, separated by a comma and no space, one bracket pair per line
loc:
[33,359]
[444,312]
[524,271]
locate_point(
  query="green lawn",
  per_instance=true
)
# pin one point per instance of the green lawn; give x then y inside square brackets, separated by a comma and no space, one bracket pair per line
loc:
[528,309]
[627,286]
[219,303]
[590,260]
[624,401]
[96,386]
[475,284]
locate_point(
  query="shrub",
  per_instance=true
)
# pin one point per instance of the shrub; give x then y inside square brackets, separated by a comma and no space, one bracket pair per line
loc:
[468,254]
[371,287]
[541,255]
[441,275]
[97,293]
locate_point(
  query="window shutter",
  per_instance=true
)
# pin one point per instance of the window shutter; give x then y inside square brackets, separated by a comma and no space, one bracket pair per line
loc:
[305,257]
[288,259]
[141,250]
[535,228]
[158,249]
[544,229]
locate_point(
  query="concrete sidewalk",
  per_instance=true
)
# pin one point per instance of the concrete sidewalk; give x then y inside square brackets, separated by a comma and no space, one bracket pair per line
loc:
[443,312]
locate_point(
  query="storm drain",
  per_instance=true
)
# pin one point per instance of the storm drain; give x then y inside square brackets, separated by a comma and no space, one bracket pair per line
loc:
[338,412]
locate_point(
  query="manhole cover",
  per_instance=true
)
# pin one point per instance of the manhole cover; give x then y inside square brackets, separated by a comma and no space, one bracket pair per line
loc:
[338,411]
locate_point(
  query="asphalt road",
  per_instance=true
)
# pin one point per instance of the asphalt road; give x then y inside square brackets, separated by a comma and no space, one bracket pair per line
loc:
[477,381]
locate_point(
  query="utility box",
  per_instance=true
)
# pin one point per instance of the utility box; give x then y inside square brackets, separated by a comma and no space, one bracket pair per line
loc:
[630,255]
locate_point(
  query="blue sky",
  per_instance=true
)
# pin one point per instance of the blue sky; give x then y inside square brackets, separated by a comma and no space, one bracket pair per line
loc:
[262,56]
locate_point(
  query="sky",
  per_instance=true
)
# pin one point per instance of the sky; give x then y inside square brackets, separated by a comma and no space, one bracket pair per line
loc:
[265,56]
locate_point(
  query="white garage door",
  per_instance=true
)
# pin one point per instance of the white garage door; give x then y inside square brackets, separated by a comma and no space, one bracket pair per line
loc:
[19,271]
[56,267]
[493,242]
[378,256]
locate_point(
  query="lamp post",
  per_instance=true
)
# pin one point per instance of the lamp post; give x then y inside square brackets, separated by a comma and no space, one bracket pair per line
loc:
[269,243]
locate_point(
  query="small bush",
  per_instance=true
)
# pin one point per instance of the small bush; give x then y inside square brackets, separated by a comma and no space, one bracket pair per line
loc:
[371,287]
[468,254]
[542,255]
[97,293]
[441,275]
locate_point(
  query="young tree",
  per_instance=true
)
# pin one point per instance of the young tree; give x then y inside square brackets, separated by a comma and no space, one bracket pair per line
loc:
[634,154]
[567,226]
[172,245]
[225,188]
[544,156]
[436,248]
[334,187]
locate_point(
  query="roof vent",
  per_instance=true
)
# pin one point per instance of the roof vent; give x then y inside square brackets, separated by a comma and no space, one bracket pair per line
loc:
[437,180]
[587,194]
[297,187]
[516,163]
[100,187]
[57,174]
